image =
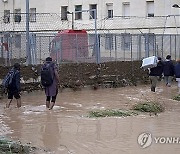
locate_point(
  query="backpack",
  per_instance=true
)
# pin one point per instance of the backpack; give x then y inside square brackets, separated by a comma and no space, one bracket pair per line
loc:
[46,77]
[7,81]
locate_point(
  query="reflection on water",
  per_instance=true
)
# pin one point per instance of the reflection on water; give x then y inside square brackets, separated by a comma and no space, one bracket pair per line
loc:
[64,130]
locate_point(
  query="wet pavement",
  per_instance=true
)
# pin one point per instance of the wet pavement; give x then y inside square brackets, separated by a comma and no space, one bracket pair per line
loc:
[67,130]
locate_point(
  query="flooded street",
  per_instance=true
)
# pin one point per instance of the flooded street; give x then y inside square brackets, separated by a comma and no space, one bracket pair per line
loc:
[67,130]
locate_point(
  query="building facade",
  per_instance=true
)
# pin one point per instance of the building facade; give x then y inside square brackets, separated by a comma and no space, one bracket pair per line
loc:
[115,15]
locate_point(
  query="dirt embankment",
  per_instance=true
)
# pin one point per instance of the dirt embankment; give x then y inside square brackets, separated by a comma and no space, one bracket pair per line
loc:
[75,75]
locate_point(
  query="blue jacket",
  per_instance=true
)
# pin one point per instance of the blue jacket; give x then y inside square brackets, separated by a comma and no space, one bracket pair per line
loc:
[177,70]
[15,85]
[168,69]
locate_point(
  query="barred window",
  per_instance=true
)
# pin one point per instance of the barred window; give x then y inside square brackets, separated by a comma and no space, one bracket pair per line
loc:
[64,12]
[109,10]
[92,15]
[78,15]
[17,16]
[6,16]
[150,8]
[32,15]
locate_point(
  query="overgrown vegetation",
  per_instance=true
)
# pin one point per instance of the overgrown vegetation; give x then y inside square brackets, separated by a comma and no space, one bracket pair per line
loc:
[8,146]
[149,107]
[177,98]
[111,113]
[11,147]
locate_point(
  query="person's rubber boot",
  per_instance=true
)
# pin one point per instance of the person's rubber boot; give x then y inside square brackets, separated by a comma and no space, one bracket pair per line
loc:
[153,89]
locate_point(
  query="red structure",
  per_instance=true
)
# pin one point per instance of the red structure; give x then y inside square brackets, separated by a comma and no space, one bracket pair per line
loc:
[70,45]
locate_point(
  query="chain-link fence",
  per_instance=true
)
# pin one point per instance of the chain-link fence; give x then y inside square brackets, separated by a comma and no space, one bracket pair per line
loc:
[80,48]
[117,39]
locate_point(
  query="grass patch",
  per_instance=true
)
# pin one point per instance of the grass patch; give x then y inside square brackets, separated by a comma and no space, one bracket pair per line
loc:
[177,98]
[8,146]
[111,113]
[149,107]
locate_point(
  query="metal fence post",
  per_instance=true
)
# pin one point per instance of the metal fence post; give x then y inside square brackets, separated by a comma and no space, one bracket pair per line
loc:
[40,56]
[131,47]
[139,46]
[56,53]
[1,47]
[10,50]
[175,45]
[162,46]
[170,45]
[60,50]
[115,46]
[28,54]
[76,56]
[122,36]
[97,38]
[155,51]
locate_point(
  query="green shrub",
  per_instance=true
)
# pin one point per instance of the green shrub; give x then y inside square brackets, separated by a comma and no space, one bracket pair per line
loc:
[177,98]
[149,107]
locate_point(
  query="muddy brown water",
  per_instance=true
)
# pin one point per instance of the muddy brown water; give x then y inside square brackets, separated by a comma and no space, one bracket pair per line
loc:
[67,129]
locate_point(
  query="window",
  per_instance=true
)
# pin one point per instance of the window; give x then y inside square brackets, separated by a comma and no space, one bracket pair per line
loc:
[6,16]
[91,13]
[17,16]
[126,9]
[110,10]
[150,8]
[32,15]
[78,15]
[64,12]
[18,41]
[109,42]
[126,41]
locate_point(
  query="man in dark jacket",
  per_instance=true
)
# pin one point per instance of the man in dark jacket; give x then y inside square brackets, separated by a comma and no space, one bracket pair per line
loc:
[168,70]
[14,87]
[177,73]
[155,73]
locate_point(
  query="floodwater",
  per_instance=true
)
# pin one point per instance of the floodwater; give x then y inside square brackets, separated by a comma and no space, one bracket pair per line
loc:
[67,130]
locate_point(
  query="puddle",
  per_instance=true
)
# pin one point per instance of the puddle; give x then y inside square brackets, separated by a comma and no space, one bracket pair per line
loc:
[67,130]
